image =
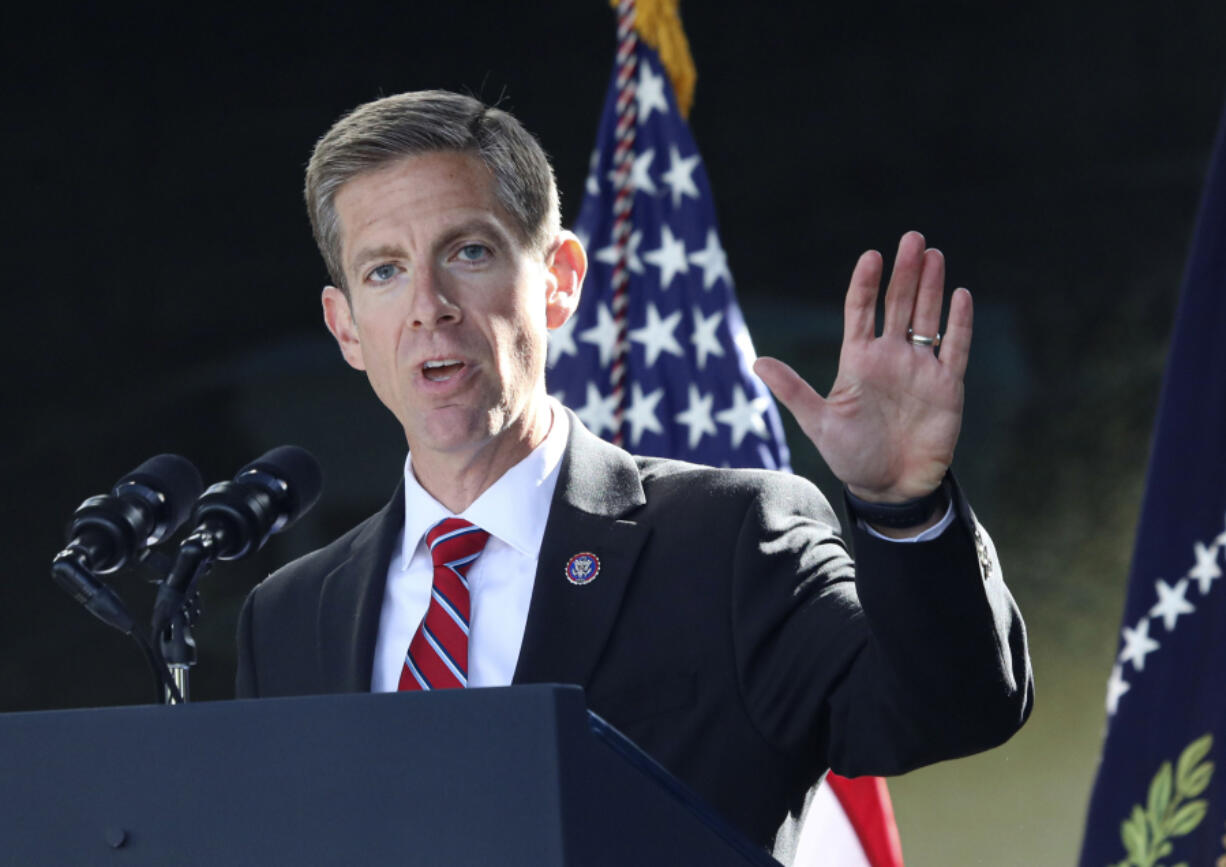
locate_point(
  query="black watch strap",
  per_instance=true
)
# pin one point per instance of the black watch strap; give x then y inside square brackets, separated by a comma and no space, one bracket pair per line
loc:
[910,513]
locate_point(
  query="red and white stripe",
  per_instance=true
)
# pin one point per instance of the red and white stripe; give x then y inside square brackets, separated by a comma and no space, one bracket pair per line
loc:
[437,657]
[850,823]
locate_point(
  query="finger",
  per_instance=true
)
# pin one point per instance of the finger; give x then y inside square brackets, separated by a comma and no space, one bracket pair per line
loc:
[926,318]
[792,391]
[956,346]
[904,281]
[860,307]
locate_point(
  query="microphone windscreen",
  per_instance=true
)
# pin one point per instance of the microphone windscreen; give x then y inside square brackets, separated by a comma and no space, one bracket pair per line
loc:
[300,472]
[175,478]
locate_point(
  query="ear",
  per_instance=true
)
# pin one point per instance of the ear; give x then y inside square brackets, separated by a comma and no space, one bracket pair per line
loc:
[567,265]
[339,319]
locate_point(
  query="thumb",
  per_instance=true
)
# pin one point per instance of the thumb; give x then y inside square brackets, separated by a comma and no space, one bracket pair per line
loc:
[790,388]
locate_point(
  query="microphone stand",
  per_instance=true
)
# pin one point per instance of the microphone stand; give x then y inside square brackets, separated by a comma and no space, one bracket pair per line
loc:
[177,605]
[178,649]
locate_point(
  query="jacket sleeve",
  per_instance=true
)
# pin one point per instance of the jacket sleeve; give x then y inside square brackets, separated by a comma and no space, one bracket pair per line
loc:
[915,654]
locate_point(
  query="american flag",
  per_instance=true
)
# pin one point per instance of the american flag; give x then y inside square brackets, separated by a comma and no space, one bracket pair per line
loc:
[690,393]
[690,390]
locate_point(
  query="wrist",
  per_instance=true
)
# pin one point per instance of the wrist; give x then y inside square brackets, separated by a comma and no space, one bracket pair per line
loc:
[906,515]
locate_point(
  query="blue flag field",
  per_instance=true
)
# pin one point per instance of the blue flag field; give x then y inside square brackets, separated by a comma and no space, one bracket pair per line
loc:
[1160,796]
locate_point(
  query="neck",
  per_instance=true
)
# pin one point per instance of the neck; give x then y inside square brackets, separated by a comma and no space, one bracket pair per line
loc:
[457,479]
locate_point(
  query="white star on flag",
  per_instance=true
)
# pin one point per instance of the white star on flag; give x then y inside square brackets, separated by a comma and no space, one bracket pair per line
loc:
[1206,568]
[642,413]
[680,176]
[744,416]
[669,257]
[597,413]
[697,416]
[657,335]
[650,94]
[592,186]
[562,341]
[704,339]
[1137,645]
[1172,602]
[1116,687]
[713,261]
[603,334]
[608,255]
[640,172]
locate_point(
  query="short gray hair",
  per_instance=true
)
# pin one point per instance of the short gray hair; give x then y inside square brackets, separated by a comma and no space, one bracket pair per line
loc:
[408,124]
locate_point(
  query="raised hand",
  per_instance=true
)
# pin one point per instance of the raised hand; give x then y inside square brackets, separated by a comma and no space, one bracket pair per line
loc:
[890,423]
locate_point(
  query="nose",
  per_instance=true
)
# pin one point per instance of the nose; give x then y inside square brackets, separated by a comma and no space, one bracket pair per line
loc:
[432,303]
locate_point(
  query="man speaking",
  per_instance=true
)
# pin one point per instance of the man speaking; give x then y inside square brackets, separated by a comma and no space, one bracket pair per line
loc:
[714,616]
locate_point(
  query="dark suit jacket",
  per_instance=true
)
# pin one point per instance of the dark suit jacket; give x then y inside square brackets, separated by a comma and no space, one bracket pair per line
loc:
[727,632]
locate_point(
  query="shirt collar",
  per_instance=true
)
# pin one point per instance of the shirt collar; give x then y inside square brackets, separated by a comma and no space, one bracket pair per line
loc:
[513,510]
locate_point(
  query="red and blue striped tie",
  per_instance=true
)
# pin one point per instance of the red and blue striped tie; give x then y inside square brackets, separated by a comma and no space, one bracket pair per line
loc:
[438,653]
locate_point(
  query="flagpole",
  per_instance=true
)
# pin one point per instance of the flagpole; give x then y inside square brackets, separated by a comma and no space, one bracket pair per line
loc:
[623,206]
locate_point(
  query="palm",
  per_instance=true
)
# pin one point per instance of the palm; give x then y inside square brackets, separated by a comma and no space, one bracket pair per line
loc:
[890,423]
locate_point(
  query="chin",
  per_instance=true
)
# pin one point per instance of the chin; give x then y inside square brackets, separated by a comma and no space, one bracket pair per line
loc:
[453,430]
[464,428]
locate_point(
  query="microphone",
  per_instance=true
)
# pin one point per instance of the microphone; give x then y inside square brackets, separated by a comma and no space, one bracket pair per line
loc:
[267,496]
[234,519]
[145,507]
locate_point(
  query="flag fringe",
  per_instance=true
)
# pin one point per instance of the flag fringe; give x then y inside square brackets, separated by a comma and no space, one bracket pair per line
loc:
[658,23]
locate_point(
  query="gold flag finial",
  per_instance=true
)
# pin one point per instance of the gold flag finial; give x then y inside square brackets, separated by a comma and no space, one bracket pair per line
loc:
[658,23]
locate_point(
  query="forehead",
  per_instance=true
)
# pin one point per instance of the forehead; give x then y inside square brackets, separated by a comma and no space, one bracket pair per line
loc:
[412,200]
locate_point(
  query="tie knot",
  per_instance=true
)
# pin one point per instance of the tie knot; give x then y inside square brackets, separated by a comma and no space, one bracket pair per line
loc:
[454,541]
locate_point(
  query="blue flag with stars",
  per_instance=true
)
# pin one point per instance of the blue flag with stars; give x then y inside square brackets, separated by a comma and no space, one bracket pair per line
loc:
[1160,796]
[690,393]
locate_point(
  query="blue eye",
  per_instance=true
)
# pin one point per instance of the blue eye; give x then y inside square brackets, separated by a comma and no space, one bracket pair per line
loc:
[383,273]
[474,252]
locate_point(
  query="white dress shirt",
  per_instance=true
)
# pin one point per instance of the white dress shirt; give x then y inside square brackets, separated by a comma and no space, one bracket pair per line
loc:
[514,511]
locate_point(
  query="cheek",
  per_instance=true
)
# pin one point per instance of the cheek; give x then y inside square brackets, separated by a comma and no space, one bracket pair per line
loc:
[521,355]
[513,344]
[530,355]
[533,334]
[378,347]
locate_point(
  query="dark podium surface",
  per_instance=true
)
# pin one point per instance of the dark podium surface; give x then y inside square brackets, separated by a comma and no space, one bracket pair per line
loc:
[515,776]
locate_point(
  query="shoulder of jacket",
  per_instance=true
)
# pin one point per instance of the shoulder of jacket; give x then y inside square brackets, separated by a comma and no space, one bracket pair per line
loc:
[314,564]
[664,477]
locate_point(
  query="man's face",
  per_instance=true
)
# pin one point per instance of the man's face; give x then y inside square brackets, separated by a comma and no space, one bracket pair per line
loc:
[447,310]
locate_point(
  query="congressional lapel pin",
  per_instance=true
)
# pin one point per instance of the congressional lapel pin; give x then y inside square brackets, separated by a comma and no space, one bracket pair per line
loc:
[582,568]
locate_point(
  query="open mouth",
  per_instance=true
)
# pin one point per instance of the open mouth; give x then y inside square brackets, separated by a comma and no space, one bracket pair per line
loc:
[441,370]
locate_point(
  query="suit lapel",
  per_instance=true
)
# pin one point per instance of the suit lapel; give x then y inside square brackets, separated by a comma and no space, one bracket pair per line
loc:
[569,624]
[351,600]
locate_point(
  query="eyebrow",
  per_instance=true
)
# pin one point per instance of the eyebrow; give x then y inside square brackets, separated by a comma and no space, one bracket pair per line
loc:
[383,251]
[475,226]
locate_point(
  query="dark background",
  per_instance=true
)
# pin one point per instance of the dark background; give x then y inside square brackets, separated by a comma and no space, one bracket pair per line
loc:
[163,286]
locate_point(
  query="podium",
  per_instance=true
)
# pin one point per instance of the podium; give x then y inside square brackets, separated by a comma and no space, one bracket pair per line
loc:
[503,776]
